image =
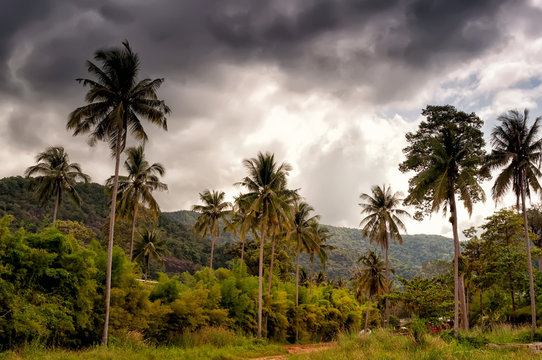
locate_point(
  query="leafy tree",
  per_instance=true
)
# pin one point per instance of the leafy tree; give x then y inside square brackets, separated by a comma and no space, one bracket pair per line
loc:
[54,174]
[213,209]
[370,279]
[150,247]
[137,187]
[447,154]
[117,102]
[382,223]
[266,189]
[518,149]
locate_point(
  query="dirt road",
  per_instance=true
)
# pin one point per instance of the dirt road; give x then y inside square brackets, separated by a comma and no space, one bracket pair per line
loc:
[299,349]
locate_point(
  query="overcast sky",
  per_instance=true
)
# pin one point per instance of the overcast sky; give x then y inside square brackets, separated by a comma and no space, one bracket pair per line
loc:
[329,86]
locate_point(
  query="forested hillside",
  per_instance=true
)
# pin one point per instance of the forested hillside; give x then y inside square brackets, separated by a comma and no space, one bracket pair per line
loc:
[189,251]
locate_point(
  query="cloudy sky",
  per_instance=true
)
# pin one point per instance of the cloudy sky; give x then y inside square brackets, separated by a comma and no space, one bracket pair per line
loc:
[328,86]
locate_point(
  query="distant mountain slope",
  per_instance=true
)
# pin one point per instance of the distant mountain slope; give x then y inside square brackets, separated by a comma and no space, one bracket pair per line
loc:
[407,260]
[193,251]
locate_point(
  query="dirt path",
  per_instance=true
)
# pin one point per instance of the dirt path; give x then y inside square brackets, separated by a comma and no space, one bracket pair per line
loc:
[299,349]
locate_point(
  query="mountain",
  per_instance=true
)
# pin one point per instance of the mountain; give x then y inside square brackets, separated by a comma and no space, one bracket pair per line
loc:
[189,251]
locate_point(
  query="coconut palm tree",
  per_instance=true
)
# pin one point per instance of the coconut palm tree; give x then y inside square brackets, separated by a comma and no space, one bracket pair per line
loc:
[321,235]
[136,188]
[369,280]
[266,188]
[150,247]
[242,220]
[382,223]
[447,154]
[518,149]
[54,174]
[303,236]
[214,209]
[117,102]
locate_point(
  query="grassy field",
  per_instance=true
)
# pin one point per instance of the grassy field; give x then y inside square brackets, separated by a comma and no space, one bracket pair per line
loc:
[222,344]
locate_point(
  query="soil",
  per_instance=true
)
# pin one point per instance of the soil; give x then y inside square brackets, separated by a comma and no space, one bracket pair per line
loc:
[299,349]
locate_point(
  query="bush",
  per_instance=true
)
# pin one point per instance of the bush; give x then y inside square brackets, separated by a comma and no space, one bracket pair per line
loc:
[418,330]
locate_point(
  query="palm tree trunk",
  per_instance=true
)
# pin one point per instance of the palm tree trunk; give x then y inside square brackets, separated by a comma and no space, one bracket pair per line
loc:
[242,249]
[529,260]
[260,280]
[297,293]
[387,302]
[539,260]
[312,274]
[134,217]
[481,310]
[110,241]
[272,260]
[457,289]
[367,316]
[147,268]
[213,237]
[57,201]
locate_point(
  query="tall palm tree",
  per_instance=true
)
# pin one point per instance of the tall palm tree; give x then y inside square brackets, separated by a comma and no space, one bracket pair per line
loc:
[242,220]
[382,223]
[303,236]
[55,174]
[116,103]
[518,149]
[447,153]
[150,247]
[370,279]
[137,187]
[266,188]
[321,236]
[213,209]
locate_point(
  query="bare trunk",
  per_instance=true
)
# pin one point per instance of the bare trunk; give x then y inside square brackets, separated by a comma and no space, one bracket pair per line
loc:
[133,231]
[57,201]
[387,289]
[110,242]
[481,310]
[260,280]
[539,260]
[242,249]
[312,274]
[529,260]
[272,260]
[367,315]
[147,268]
[213,237]
[459,294]
[297,293]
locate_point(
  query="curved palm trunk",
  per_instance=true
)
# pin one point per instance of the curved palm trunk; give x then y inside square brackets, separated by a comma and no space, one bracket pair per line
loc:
[147,268]
[242,249]
[260,280]
[57,201]
[367,316]
[464,302]
[312,274]
[272,260]
[387,302]
[133,231]
[529,260]
[539,260]
[110,242]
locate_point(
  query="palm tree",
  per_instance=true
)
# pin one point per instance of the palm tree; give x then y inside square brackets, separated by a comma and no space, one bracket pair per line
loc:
[266,195]
[321,235]
[382,223]
[302,234]
[213,209]
[137,187]
[518,149]
[242,218]
[370,279]
[447,152]
[54,174]
[117,102]
[150,247]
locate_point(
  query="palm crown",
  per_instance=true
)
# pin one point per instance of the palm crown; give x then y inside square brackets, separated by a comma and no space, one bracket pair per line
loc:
[54,174]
